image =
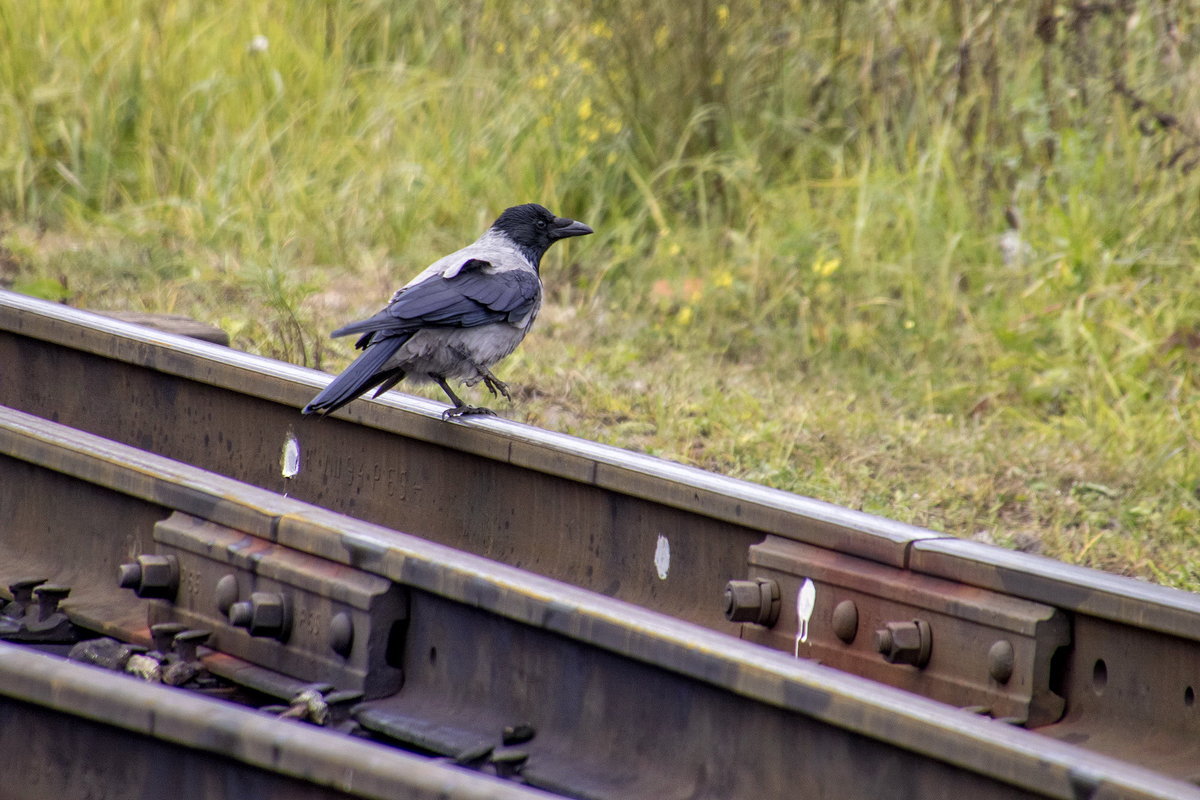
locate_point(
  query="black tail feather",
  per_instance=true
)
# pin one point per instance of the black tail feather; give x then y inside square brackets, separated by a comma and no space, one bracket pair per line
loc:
[364,374]
[390,379]
[381,321]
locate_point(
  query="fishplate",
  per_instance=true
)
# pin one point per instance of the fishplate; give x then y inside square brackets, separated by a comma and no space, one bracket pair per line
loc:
[275,607]
[958,644]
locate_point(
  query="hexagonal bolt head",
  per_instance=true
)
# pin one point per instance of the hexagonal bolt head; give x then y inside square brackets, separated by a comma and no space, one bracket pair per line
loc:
[905,642]
[151,576]
[264,614]
[754,601]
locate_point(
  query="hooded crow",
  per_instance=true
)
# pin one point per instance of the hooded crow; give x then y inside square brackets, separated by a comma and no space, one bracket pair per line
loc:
[456,319]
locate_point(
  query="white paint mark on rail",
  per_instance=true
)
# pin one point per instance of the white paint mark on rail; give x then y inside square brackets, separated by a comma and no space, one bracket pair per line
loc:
[289,461]
[806,601]
[662,557]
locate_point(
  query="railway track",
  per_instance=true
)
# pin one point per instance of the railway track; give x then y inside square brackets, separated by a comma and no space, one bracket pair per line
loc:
[661,631]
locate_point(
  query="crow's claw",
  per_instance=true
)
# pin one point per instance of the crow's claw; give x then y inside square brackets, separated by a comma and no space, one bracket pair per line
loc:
[465,410]
[495,385]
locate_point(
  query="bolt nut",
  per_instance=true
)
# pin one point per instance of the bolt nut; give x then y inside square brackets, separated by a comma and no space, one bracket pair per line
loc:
[1001,659]
[129,575]
[341,634]
[905,642]
[240,614]
[151,576]
[754,601]
[845,621]
[264,614]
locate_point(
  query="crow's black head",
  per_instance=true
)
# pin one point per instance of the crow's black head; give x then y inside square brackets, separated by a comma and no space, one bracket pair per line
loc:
[533,228]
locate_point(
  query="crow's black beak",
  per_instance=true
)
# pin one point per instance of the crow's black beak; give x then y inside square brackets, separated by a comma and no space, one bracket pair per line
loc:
[563,228]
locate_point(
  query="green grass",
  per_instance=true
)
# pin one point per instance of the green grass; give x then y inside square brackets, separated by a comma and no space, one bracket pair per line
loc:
[797,275]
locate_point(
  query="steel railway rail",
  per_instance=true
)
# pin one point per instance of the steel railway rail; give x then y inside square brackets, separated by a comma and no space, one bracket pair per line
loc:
[1084,658]
[449,649]
[69,731]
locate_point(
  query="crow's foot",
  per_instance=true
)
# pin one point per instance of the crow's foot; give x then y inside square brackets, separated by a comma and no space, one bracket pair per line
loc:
[464,410]
[495,385]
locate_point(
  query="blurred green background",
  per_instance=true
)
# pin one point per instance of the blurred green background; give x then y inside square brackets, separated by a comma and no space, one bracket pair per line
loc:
[934,260]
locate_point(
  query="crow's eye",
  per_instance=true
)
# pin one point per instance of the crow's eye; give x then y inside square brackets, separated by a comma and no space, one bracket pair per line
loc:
[541,223]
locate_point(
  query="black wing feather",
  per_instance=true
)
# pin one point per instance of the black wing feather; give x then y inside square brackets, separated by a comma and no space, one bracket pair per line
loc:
[470,298]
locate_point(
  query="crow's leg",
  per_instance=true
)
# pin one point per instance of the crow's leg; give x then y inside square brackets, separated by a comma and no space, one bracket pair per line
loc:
[494,384]
[460,408]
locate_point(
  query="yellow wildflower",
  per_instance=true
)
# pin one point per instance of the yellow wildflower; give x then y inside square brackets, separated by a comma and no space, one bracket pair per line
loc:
[827,267]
